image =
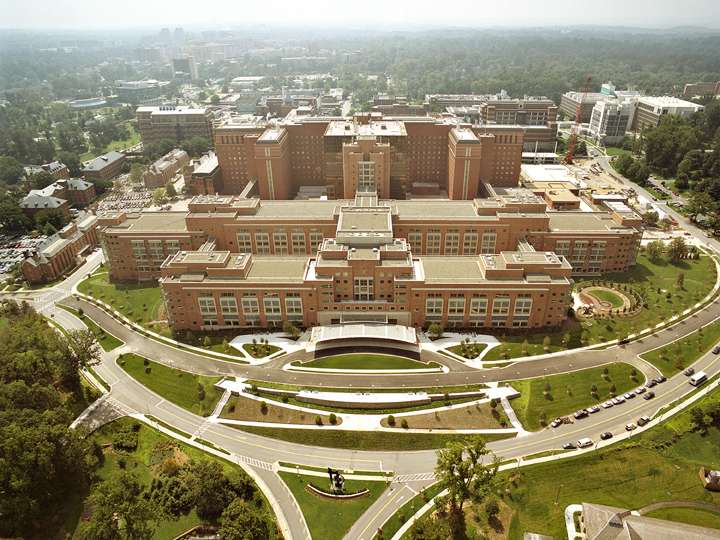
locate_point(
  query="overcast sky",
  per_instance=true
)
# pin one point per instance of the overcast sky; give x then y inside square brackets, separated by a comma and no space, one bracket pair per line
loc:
[94,14]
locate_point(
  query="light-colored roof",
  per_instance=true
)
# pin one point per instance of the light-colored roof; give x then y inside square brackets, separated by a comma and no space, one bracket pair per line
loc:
[451,269]
[160,222]
[583,221]
[393,332]
[277,269]
[297,209]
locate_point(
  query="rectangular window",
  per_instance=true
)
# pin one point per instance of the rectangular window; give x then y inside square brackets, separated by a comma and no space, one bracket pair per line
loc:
[250,307]
[500,310]
[229,307]
[597,253]
[452,243]
[294,307]
[487,247]
[433,242]
[433,307]
[271,305]
[172,246]
[280,242]
[316,239]
[523,307]
[363,289]
[366,176]
[415,241]
[456,307]
[262,243]
[562,247]
[298,242]
[478,309]
[470,240]
[155,250]
[579,251]
[208,310]
[244,242]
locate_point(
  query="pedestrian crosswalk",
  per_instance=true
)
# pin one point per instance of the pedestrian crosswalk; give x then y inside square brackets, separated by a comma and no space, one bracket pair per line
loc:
[419,477]
[255,463]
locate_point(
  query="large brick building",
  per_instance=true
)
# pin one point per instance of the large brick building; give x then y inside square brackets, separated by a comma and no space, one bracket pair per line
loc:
[403,156]
[174,123]
[502,260]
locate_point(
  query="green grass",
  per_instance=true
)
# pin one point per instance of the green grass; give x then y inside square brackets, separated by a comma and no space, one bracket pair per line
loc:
[660,464]
[468,350]
[107,341]
[675,357]
[367,361]
[690,516]
[532,402]
[615,151]
[329,519]
[257,350]
[141,303]
[177,386]
[652,280]
[142,463]
[607,296]
[132,140]
[407,510]
[364,440]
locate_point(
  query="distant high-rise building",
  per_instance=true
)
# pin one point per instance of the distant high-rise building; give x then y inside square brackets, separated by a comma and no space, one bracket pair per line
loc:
[185,68]
[179,35]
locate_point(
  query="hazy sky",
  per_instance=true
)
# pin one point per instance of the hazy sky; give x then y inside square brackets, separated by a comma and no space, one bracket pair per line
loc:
[92,14]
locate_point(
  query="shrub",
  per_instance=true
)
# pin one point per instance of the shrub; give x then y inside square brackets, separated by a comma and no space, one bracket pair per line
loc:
[146,362]
[264,408]
[318,421]
[404,424]
[333,419]
[147,370]
[285,399]
[201,393]
[391,421]
[231,408]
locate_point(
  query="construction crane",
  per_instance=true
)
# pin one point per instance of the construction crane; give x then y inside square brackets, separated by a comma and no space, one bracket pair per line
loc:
[575,129]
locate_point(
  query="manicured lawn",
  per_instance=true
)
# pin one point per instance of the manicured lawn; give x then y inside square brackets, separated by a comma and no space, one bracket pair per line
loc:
[251,410]
[675,357]
[478,416]
[429,390]
[177,386]
[607,296]
[468,350]
[367,361]
[658,465]
[364,440]
[329,519]
[691,516]
[107,341]
[139,302]
[654,281]
[260,350]
[568,392]
[615,151]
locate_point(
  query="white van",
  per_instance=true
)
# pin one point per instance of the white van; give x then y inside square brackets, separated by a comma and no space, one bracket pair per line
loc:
[699,378]
[584,442]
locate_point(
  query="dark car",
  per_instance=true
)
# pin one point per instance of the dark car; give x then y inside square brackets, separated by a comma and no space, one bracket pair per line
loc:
[643,420]
[582,413]
[650,383]
[606,435]
[649,396]
[660,379]
[689,371]
[568,446]
[716,349]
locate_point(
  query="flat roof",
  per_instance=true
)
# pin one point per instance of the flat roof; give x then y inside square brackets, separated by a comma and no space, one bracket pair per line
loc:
[583,221]
[456,269]
[277,269]
[547,173]
[160,222]
[298,209]
[378,128]
[393,332]
[434,208]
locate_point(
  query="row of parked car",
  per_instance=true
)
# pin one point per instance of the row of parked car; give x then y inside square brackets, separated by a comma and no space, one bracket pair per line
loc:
[617,400]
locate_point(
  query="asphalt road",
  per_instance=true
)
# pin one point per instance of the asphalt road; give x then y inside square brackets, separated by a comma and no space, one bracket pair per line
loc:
[413,469]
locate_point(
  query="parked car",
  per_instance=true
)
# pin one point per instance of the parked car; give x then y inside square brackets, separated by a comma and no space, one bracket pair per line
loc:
[660,379]
[689,371]
[569,446]
[606,435]
[582,413]
[556,422]
[640,390]
[650,383]
[584,442]
[630,426]
[607,404]
[716,349]
[617,400]
[649,396]
[593,409]
[629,395]
[643,420]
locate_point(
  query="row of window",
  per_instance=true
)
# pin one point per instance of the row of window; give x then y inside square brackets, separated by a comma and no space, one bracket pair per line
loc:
[280,244]
[488,242]
[250,306]
[478,308]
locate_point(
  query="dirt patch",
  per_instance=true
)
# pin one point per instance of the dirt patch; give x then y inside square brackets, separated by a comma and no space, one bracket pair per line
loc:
[251,410]
[478,416]
[495,527]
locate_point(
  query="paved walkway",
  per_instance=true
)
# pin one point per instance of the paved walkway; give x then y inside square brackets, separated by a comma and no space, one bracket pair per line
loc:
[680,504]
